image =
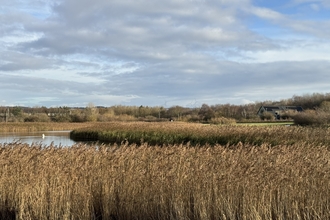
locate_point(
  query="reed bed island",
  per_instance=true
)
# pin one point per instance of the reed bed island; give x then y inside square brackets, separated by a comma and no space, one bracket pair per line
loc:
[247,176]
[200,134]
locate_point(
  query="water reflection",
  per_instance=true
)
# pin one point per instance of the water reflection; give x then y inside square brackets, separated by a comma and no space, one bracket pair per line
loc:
[58,138]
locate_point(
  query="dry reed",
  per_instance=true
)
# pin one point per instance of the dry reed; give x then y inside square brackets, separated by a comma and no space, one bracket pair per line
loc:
[199,134]
[40,126]
[240,181]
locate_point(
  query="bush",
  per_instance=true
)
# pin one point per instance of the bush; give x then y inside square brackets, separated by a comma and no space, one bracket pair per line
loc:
[288,115]
[267,116]
[311,117]
[61,118]
[222,120]
[77,117]
[190,118]
[42,117]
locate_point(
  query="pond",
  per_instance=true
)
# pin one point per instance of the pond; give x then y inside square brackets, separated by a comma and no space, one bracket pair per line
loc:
[39,137]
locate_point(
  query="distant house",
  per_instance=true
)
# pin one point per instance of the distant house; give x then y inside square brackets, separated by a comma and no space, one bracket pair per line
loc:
[278,110]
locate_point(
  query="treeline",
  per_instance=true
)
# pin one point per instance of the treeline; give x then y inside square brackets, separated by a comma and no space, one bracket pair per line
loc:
[313,104]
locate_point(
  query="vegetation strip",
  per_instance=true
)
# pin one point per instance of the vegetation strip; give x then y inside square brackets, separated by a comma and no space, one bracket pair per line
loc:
[40,126]
[199,134]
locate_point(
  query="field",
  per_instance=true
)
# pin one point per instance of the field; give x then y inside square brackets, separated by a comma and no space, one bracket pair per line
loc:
[247,179]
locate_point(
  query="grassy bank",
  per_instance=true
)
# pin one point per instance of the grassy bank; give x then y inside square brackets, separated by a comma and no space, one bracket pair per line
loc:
[270,123]
[199,134]
[40,126]
[170,182]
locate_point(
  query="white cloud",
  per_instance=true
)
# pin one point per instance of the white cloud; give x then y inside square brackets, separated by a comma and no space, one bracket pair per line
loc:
[319,3]
[315,7]
[266,13]
[297,51]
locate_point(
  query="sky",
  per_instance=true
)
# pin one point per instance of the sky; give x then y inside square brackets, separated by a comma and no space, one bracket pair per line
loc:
[162,53]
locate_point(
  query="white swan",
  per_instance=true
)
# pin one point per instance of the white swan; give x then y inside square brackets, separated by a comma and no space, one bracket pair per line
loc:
[43,136]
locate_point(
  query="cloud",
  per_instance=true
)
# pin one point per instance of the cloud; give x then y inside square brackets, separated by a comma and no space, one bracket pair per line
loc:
[12,61]
[153,52]
[297,20]
[125,28]
[292,51]
[319,3]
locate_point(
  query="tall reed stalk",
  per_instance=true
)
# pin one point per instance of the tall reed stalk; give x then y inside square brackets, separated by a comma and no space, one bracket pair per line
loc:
[130,181]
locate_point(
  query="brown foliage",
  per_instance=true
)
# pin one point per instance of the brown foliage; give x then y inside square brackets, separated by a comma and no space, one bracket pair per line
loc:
[311,117]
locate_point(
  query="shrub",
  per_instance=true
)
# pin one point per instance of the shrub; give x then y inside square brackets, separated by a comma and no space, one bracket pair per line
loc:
[61,118]
[78,117]
[191,118]
[222,120]
[288,115]
[267,116]
[312,117]
[41,117]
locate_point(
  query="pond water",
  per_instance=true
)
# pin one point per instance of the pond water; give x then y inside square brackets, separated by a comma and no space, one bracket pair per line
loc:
[59,138]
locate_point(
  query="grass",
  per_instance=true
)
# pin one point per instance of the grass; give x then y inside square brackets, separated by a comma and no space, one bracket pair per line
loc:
[132,181]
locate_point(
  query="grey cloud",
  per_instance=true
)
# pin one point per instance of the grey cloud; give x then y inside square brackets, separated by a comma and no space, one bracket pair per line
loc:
[233,83]
[150,52]
[88,27]
[34,84]
[12,61]
[273,78]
